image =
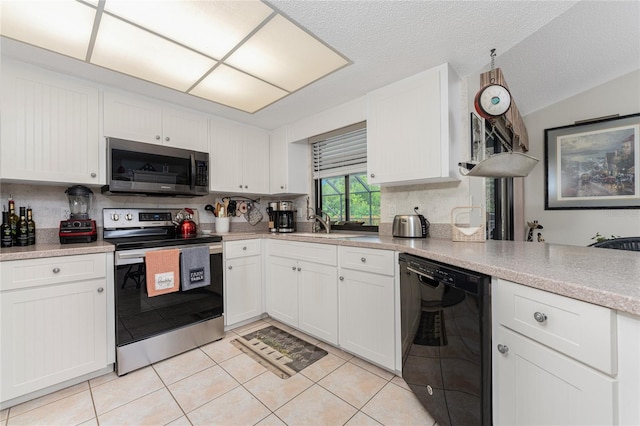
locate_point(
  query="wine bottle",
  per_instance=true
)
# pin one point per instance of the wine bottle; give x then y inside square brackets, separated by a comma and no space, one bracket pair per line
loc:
[22,229]
[13,219]
[5,231]
[31,227]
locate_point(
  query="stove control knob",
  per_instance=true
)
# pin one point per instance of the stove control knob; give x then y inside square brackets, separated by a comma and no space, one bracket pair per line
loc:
[129,216]
[115,217]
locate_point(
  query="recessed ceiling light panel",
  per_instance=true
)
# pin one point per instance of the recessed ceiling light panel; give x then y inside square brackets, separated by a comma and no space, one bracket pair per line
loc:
[131,50]
[61,26]
[238,90]
[210,27]
[285,55]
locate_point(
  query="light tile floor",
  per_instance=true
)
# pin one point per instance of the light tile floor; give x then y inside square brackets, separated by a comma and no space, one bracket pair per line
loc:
[217,384]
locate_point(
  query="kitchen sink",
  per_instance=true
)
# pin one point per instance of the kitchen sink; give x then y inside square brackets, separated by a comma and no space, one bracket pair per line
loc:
[336,235]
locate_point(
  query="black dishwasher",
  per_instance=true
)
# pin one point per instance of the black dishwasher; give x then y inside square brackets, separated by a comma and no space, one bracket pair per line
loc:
[446,339]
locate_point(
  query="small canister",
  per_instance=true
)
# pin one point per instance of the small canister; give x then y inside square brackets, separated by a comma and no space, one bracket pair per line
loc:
[272,212]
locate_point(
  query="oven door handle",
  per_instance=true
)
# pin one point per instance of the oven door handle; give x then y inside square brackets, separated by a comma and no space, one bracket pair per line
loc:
[213,249]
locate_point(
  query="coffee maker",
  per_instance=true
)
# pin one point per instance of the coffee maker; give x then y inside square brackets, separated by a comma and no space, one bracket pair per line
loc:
[79,228]
[286,217]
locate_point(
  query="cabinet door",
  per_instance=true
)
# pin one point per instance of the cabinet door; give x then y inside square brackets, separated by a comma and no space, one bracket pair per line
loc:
[134,118]
[226,156]
[404,141]
[51,334]
[255,174]
[366,315]
[49,127]
[288,164]
[282,290]
[185,129]
[535,385]
[318,298]
[243,291]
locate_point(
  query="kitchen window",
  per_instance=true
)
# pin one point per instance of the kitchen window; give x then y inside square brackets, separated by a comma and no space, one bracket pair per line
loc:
[341,187]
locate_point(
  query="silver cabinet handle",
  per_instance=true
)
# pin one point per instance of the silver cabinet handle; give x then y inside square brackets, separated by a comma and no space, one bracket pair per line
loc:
[503,349]
[299,269]
[293,268]
[281,186]
[56,270]
[230,267]
[157,137]
[100,289]
[363,259]
[167,139]
[93,175]
[373,175]
[244,248]
[240,186]
[246,187]
[341,278]
[540,317]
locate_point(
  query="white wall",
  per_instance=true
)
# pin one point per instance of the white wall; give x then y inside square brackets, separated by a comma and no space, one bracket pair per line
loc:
[576,227]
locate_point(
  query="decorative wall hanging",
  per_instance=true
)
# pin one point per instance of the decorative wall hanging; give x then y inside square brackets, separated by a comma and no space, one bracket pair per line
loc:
[593,164]
[494,100]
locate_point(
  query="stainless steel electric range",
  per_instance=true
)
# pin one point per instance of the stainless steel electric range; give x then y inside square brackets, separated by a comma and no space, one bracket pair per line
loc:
[150,329]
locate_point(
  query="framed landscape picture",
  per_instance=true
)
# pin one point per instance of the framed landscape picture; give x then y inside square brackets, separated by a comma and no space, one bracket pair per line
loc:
[593,165]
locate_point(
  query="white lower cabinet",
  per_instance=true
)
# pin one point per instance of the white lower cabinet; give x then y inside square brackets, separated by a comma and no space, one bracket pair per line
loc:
[302,293]
[318,301]
[541,371]
[539,386]
[282,289]
[366,300]
[57,321]
[243,281]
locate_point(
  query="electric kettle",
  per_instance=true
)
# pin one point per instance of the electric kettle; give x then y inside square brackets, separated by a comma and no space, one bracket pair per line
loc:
[410,226]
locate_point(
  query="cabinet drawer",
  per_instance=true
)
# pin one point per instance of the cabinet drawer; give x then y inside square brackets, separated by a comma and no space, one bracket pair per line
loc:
[581,330]
[244,248]
[367,260]
[316,253]
[51,270]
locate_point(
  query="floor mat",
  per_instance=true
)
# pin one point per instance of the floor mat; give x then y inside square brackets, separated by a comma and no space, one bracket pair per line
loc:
[280,352]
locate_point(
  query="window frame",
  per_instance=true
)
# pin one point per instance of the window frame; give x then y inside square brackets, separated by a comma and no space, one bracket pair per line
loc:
[347,193]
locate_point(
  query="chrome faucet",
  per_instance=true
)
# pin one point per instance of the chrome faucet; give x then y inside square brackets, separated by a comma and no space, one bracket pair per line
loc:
[326,223]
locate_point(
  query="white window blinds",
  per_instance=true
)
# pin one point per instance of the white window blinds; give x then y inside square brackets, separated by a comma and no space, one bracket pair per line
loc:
[340,154]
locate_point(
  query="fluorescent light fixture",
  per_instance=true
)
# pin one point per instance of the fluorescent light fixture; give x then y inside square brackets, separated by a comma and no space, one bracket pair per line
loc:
[210,27]
[237,90]
[131,50]
[63,27]
[242,54]
[283,54]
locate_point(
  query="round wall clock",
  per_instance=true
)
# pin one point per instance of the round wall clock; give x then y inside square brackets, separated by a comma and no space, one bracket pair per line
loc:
[492,101]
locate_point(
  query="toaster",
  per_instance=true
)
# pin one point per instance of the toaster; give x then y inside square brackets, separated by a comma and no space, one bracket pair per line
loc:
[410,226]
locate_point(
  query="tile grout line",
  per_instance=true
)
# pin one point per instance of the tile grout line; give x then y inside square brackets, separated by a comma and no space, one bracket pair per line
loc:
[171,393]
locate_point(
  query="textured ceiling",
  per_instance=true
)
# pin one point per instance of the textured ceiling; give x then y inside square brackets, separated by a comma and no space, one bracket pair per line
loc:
[548,50]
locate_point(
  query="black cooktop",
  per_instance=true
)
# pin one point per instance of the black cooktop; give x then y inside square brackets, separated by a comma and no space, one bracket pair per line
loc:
[131,243]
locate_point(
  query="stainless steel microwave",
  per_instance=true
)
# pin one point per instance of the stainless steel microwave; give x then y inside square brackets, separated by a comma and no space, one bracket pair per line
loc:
[148,169]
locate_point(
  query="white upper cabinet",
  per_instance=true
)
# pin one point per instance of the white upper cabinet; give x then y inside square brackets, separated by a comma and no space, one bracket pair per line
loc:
[140,119]
[411,129]
[289,162]
[239,158]
[50,127]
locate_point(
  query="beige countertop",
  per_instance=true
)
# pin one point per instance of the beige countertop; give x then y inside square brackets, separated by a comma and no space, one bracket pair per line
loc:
[54,250]
[604,277]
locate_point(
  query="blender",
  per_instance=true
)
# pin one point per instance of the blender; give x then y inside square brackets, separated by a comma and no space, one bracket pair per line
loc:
[79,228]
